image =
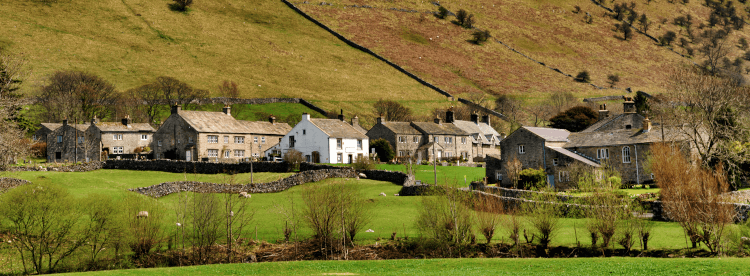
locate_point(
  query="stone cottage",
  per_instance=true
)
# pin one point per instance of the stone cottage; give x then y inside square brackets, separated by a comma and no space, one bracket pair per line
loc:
[484,139]
[425,140]
[121,139]
[216,136]
[324,141]
[40,135]
[73,143]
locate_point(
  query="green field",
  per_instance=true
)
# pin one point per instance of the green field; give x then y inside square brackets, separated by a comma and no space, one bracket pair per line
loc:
[572,266]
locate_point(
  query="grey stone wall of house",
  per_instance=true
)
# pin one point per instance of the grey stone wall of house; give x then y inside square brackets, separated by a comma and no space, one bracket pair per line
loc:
[175,134]
[40,135]
[533,156]
[195,167]
[10,183]
[166,188]
[633,120]
[69,149]
[493,164]
[129,142]
[631,173]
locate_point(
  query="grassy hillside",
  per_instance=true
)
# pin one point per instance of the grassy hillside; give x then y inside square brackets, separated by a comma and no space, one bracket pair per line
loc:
[265,47]
[547,31]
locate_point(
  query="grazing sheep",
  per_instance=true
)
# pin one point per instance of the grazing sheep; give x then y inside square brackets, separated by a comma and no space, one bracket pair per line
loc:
[142,214]
[245,195]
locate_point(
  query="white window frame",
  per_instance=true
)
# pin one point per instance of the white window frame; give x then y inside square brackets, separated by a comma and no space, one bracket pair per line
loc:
[239,139]
[255,139]
[463,140]
[339,157]
[239,153]
[402,139]
[401,153]
[448,140]
[339,143]
[359,144]
[158,143]
[144,137]
[602,153]
[499,175]
[190,140]
[626,154]
[521,149]
[212,139]
[416,139]
[213,153]
[564,176]
[262,140]
[59,139]
[227,153]
[117,137]
[117,150]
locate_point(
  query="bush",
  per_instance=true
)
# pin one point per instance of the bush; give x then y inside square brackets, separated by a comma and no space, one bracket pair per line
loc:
[583,76]
[446,217]
[575,119]
[181,5]
[39,149]
[543,218]
[613,79]
[668,38]
[293,158]
[382,149]
[330,208]
[464,19]
[363,163]
[533,179]
[442,12]
[480,36]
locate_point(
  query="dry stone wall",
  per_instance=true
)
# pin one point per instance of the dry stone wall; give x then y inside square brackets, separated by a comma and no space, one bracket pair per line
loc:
[10,183]
[175,166]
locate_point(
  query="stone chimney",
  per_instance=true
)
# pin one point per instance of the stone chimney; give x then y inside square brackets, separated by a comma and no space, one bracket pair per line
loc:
[355,121]
[449,115]
[646,125]
[94,120]
[603,112]
[628,106]
[65,122]
[305,116]
[341,116]
[272,119]
[486,119]
[381,119]
[126,121]
[176,108]
[437,120]
[227,110]
[475,118]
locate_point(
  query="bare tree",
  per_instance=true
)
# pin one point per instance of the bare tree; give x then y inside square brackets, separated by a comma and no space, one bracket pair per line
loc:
[205,217]
[229,89]
[149,98]
[178,92]
[13,145]
[714,48]
[71,94]
[513,170]
[392,111]
[489,213]
[561,101]
[237,216]
[13,70]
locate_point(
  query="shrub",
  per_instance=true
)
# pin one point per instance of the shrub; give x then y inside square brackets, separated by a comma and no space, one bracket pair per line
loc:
[613,79]
[543,217]
[363,163]
[488,211]
[743,43]
[39,149]
[575,119]
[181,5]
[382,149]
[464,19]
[446,217]
[330,208]
[442,12]
[143,223]
[481,36]
[293,158]
[533,178]
[583,76]
[668,38]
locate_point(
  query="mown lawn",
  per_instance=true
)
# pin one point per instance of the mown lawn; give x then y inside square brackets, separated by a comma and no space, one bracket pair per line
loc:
[572,266]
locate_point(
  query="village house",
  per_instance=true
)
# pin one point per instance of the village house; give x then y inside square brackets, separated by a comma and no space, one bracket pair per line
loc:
[216,136]
[324,141]
[124,139]
[73,143]
[484,139]
[619,142]
[425,140]
[40,135]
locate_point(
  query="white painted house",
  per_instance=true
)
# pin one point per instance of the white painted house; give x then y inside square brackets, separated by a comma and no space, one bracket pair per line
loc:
[324,141]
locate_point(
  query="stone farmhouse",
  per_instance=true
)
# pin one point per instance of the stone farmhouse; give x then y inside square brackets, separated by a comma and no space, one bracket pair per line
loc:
[427,140]
[324,141]
[121,139]
[484,139]
[73,143]
[621,142]
[214,136]
[40,135]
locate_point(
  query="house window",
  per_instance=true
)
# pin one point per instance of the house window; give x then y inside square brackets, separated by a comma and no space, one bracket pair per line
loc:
[226,139]
[239,153]
[59,138]
[359,156]
[58,155]
[359,144]
[402,139]
[144,136]
[239,139]
[255,139]
[602,154]
[117,137]
[213,139]
[117,150]
[80,139]
[416,139]
[554,161]
[521,149]
[339,143]
[626,155]
[308,158]
[304,132]
[437,139]
[465,155]
[401,153]
[338,157]
[190,140]
[291,141]
[35,138]
[448,140]
[463,140]
[158,143]
[226,153]
[564,176]
[213,153]
[179,141]
[499,176]
[448,154]
[263,140]
[652,176]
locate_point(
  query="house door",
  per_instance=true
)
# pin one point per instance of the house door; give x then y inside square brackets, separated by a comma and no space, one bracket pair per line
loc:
[315,157]
[351,160]
[551,180]
[439,155]
[187,155]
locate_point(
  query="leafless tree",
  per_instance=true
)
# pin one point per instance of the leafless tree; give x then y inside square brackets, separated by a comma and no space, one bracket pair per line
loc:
[513,170]
[13,71]
[13,145]
[561,101]
[489,213]
[149,99]
[392,111]
[229,89]
[714,48]
[175,91]
[237,216]
[71,94]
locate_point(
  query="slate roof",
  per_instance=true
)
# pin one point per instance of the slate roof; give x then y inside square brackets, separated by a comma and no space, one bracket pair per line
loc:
[51,126]
[484,131]
[213,122]
[596,126]
[575,156]
[623,137]
[428,146]
[119,127]
[550,134]
[263,127]
[336,128]
[401,128]
[360,129]
[439,129]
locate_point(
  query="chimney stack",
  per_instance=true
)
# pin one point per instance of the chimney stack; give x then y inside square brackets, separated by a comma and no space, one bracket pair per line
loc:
[381,119]
[126,121]
[65,122]
[341,116]
[628,106]
[437,120]
[603,112]
[305,116]
[94,120]
[646,125]
[227,110]
[355,121]
[272,119]
[486,119]
[475,118]
[176,108]
[449,115]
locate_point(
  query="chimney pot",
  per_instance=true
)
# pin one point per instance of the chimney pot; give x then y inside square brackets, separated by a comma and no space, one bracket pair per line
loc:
[305,116]
[176,108]
[486,119]
[227,110]
[272,119]
[341,116]
[449,115]
[437,120]
[65,122]
[475,118]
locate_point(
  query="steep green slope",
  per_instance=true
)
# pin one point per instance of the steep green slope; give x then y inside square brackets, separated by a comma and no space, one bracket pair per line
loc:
[263,45]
